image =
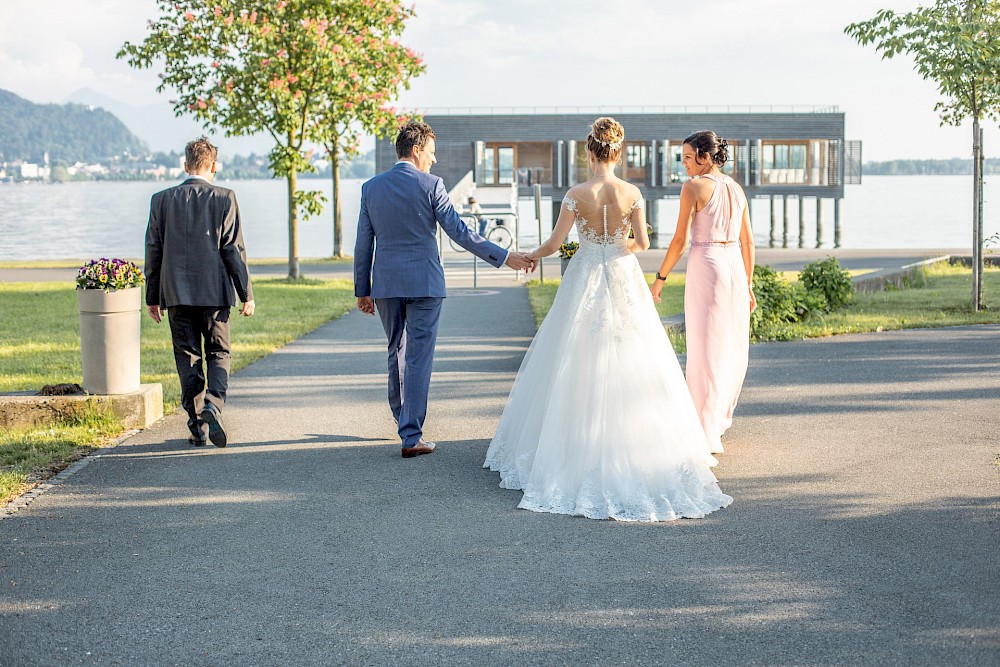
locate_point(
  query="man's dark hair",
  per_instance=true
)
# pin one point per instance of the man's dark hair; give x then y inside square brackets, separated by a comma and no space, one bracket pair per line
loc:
[414,133]
[200,154]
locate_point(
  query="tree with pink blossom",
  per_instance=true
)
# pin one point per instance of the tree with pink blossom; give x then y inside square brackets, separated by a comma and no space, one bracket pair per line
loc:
[288,68]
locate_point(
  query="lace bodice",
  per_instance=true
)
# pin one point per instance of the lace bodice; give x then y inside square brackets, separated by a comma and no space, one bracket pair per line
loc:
[593,226]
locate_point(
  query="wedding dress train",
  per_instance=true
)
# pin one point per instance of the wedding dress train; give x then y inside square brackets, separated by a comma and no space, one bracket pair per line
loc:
[600,422]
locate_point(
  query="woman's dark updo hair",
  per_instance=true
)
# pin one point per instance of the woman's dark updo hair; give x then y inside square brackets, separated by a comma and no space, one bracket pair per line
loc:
[708,143]
[606,138]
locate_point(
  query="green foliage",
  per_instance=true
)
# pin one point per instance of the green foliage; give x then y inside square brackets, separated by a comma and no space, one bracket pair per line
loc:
[777,302]
[825,278]
[955,43]
[303,71]
[68,133]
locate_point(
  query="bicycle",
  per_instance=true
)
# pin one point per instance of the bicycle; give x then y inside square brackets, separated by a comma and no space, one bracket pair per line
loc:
[496,232]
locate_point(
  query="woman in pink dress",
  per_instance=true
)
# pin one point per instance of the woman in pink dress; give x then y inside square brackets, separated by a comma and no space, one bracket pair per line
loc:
[718,292]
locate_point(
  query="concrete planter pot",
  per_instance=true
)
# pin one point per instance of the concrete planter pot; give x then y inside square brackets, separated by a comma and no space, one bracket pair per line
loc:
[109,339]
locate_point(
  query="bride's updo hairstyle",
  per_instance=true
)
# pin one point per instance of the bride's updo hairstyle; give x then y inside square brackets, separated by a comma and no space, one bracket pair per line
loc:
[606,138]
[708,144]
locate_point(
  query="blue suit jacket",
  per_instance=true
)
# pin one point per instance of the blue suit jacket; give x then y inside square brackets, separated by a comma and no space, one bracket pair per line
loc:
[396,253]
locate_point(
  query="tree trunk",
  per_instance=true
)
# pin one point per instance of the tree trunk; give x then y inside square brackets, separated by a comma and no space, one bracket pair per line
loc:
[293,231]
[338,228]
[977,223]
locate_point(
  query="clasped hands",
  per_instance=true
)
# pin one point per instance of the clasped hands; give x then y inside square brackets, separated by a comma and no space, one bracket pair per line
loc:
[520,261]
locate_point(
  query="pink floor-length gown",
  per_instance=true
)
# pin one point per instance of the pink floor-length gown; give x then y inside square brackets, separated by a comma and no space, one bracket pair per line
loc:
[717,310]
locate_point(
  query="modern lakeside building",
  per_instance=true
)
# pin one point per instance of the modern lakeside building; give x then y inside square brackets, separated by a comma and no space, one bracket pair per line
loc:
[778,153]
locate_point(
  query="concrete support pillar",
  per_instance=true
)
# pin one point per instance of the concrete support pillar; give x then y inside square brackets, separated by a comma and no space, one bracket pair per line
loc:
[770,242]
[802,222]
[651,220]
[836,223]
[784,225]
[819,222]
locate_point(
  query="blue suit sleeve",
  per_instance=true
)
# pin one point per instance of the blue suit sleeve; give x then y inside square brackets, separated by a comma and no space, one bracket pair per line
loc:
[452,224]
[364,252]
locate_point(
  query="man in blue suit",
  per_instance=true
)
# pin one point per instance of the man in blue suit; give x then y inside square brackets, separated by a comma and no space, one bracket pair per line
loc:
[404,280]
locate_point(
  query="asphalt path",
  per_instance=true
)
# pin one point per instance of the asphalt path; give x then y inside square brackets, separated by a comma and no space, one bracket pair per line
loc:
[864,528]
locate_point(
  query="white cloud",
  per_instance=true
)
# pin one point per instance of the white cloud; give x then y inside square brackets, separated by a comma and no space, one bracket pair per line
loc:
[559,53]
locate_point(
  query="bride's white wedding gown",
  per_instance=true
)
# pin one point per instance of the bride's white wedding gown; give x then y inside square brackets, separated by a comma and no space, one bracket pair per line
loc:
[600,422]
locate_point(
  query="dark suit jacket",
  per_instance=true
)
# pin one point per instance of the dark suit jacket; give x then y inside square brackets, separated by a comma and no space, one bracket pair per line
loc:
[194,247]
[396,252]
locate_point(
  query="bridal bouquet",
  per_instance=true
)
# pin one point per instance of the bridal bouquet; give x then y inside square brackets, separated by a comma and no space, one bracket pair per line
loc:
[567,250]
[109,275]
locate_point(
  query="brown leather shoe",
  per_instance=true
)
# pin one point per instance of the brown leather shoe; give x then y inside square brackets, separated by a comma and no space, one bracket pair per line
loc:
[422,447]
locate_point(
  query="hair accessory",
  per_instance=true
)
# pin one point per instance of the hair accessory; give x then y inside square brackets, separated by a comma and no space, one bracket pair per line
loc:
[613,145]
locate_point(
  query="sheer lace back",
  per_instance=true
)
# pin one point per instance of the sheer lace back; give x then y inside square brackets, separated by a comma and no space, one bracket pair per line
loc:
[600,223]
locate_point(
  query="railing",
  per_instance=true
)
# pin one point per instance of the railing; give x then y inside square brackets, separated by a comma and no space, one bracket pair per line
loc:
[641,109]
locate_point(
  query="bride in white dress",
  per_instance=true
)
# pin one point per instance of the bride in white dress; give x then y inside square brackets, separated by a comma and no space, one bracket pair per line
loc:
[600,422]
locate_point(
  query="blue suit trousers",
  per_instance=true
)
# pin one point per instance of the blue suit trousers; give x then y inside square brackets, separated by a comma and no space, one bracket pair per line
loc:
[411,325]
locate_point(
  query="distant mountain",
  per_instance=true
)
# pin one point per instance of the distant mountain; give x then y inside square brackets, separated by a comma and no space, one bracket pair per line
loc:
[163,131]
[68,132]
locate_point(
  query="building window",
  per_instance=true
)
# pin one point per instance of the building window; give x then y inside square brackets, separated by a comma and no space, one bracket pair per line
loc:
[497,167]
[534,163]
[636,162]
[794,162]
[525,163]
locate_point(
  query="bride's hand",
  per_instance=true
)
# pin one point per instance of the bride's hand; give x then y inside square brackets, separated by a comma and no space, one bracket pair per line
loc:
[753,301]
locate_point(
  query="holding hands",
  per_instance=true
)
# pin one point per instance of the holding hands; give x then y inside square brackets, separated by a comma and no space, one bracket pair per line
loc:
[520,261]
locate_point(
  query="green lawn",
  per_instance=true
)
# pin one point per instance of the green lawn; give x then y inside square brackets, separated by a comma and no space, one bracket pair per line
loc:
[40,345]
[941,299]
[77,263]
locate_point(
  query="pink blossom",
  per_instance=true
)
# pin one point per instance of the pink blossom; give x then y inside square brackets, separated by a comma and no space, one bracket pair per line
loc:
[189,16]
[263,31]
[337,48]
[253,17]
[281,53]
[282,4]
[229,19]
[265,62]
[217,11]
[215,63]
[201,104]
[292,78]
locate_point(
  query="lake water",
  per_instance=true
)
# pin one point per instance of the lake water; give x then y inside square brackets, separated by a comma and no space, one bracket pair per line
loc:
[83,220]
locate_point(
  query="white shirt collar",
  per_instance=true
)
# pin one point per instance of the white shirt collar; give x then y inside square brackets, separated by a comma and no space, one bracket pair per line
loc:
[199,176]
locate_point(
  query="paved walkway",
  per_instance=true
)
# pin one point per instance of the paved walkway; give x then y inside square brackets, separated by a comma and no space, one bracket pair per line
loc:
[864,528]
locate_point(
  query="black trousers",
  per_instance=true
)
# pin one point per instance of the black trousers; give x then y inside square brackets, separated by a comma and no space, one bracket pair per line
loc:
[201,338]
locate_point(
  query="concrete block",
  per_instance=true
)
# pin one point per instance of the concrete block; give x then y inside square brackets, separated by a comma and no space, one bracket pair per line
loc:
[138,409]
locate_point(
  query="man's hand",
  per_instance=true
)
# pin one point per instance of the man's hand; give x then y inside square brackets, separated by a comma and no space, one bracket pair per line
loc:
[247,309]
[155,312]
[366,305]
[520,261]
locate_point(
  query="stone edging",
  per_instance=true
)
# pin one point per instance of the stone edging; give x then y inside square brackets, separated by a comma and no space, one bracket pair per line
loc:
[28,496]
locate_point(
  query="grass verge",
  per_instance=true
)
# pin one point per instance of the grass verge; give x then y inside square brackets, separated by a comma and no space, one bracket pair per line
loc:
[40,345]
[941,298]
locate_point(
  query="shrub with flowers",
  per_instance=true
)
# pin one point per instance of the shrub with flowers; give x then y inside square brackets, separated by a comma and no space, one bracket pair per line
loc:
[109,275]
[567,250]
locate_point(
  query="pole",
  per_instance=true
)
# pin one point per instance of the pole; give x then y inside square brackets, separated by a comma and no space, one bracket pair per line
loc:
[802,222]
[819,222]
[538,218]
[770,241]
[977,240]
[784,225]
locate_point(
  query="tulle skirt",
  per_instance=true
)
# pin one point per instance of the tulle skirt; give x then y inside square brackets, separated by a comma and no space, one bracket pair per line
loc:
[600,422]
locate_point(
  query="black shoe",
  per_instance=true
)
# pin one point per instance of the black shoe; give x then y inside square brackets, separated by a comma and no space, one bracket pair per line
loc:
[216,431]
[197,442]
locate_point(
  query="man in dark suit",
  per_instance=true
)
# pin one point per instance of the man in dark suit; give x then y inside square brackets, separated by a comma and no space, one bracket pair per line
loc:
[397,270]
[195,257]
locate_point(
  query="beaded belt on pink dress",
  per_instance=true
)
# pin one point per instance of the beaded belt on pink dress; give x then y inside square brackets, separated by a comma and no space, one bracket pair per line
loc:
[709,244]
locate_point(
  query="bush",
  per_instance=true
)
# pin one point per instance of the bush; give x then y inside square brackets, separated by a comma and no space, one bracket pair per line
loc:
[777,302]
[825,278]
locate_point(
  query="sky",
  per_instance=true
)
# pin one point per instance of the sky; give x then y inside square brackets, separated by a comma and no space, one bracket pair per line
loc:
[560,53]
